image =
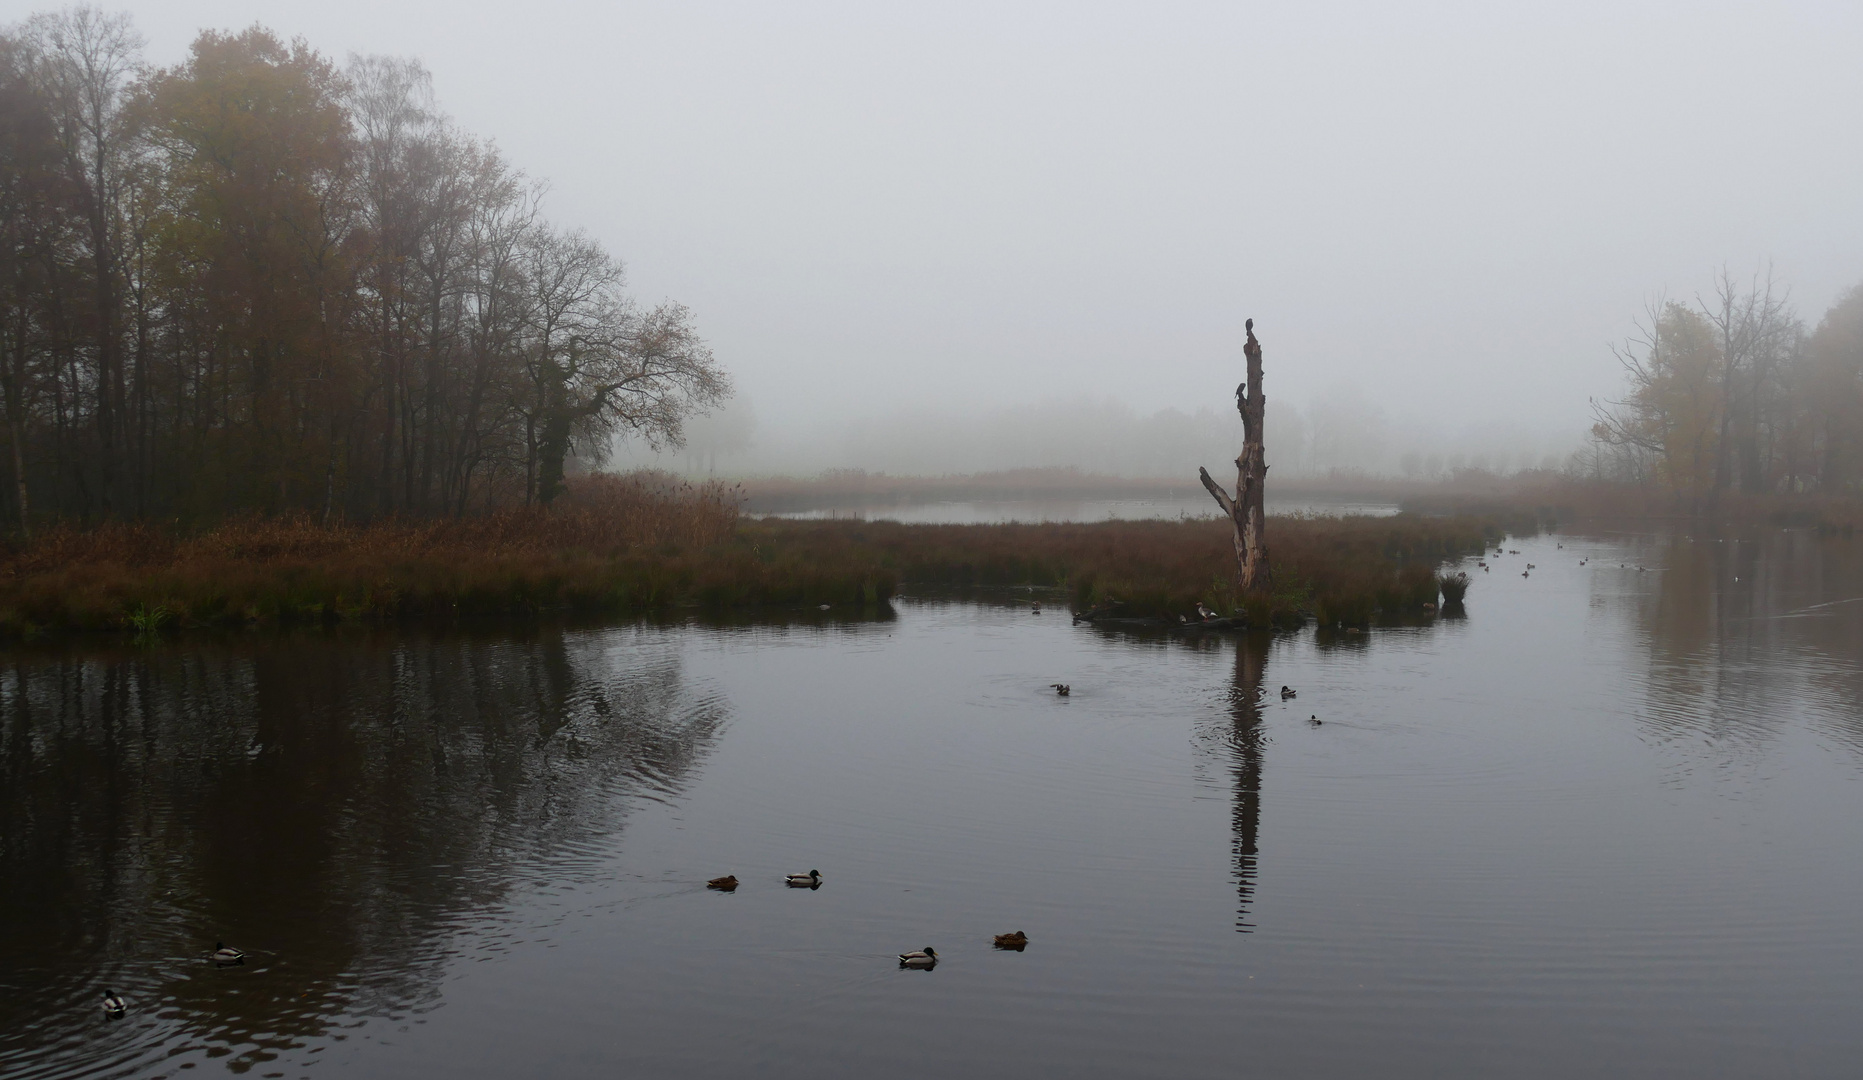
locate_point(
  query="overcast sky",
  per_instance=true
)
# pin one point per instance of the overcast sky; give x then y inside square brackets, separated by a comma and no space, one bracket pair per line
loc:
[873,206]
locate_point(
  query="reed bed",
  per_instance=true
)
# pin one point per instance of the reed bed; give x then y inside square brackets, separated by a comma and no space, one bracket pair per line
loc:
[645,542]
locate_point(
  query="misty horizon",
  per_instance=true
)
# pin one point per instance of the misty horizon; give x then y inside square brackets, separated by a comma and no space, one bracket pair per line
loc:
[886,215]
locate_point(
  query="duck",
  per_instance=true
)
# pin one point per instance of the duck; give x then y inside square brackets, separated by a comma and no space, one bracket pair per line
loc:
[113,1005]
[1288,693]
[1016,941]
[1315,721]
[225,955]
[810,880]
[726,883]
[1523,573]
[1204,612]
[1035,608]
[923,958]
[1061,689]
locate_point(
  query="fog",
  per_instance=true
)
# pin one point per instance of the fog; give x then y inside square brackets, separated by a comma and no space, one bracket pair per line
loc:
[977,236]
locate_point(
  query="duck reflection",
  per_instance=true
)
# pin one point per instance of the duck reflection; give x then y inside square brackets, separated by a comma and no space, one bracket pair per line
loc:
[340,807]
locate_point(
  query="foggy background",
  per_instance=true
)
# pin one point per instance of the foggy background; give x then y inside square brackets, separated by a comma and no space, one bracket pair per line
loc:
[977,236]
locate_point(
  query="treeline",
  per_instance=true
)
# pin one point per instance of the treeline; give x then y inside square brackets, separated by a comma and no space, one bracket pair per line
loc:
[1736,393]
[258,281]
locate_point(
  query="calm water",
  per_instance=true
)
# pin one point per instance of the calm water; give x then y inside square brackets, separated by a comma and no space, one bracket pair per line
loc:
[1607,823]
[988,511]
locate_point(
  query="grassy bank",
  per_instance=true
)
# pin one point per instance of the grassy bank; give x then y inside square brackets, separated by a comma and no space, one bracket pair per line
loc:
[1548,498]
[644,543]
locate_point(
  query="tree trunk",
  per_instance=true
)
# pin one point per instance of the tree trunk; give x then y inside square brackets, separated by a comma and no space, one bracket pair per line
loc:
[1245,511]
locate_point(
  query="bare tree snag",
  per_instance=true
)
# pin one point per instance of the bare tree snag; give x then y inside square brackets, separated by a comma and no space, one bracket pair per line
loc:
[1245,508]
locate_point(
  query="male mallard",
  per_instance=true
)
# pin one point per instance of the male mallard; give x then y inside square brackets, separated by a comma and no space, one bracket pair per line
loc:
[924,958]
[1016,941]
[113,1005]
[810,880]
[1287,693]
[1061,689]
[726,883]
[225,956]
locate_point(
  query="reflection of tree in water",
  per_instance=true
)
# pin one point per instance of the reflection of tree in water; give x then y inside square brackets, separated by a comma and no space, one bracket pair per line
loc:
[1247,742]
[338,807]
[1742,625]
[1240,743]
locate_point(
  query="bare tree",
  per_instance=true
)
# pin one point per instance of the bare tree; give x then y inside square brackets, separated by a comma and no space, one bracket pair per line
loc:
[1757,329]
[1246,514]
[89,58]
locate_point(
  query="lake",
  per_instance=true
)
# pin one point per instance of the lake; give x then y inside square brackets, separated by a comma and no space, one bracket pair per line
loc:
[1050,508]
[1605,823]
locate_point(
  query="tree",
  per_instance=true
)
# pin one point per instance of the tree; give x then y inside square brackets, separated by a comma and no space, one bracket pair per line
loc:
[1245,509]
[256,281]
[1832,394]
[86,59]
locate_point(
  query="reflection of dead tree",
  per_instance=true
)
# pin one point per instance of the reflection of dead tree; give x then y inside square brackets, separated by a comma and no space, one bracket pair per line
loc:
[1246,739]
[1245,508]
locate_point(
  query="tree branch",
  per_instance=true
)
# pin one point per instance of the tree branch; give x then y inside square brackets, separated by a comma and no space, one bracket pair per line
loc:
[1222,497]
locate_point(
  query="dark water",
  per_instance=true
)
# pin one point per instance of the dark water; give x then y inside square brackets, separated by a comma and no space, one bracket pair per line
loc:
[1609,823]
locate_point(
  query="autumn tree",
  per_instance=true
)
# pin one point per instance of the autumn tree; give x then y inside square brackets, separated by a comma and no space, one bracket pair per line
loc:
[256,280]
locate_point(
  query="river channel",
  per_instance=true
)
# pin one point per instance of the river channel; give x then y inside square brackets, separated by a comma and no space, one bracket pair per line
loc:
[1608,822]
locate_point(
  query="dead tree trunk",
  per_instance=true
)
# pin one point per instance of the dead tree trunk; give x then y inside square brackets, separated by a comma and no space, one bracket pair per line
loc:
[1245,508]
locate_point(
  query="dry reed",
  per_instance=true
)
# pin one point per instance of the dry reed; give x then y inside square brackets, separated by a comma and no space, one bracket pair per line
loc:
[646,541]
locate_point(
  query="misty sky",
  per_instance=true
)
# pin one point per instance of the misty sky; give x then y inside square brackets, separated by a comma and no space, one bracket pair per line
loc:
[874,207]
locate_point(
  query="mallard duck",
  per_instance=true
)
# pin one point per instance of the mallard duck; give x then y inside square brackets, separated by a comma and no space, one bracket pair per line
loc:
[727,883]
[924,958]
[1035,608]
[113,1005]
[1061,689]
[1014,941]
[225,955]
[1315,721]
[810,880]
[1288,693]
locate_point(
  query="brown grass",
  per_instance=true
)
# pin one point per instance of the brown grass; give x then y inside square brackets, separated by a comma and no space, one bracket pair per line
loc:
[645,541]
[1546,498]
[1338,569]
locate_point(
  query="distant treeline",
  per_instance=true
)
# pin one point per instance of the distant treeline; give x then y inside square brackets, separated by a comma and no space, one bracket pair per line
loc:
[1734,393]
[256,281]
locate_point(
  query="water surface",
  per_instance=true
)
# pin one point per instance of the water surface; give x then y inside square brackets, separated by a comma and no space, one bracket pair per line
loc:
[1605,822]
[1196,504]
